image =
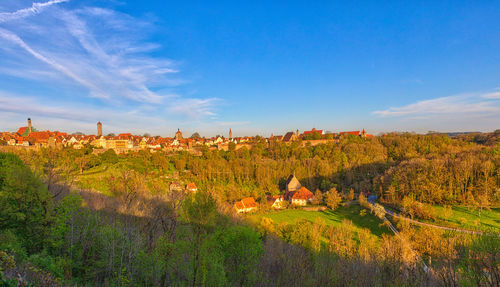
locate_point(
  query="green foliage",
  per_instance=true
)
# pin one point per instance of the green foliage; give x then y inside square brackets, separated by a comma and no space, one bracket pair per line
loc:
[109,157]
[241,249]
[25,201]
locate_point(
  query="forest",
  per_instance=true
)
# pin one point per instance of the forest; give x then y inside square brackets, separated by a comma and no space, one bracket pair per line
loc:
[73,218]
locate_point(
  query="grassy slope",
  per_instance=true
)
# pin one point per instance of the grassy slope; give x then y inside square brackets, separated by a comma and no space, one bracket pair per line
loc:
[333,218]
[489,220]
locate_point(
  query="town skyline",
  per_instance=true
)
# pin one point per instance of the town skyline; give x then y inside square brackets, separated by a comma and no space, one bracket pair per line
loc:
[259,69]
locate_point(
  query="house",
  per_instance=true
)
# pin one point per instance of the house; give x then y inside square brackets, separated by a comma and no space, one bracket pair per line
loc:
[290,137]
[312,132]
[191,187]
[295,193]
[276,201]
[301,197]
[175,186]
[245,205]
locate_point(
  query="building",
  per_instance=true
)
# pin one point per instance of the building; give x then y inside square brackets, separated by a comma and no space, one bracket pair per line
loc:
[312,132]
[276,202]
[290,137]
[175,186]
[191,187]
[295,193]
[292,184]
[245,205]
[99,129]
[178,135]
[301,197]
[230,134]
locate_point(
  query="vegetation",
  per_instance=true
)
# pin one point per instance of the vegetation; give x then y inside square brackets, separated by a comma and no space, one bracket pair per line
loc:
[73,217]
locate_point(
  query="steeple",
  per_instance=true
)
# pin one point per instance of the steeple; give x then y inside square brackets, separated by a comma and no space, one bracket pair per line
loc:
[230,133]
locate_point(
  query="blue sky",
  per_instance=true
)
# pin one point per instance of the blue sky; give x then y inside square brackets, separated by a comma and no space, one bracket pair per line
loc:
[259,67]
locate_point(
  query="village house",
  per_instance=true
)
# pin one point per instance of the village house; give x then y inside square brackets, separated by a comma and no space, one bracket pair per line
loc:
[191,187]
[175,186]
[295,193]
[245,205]
[276,201]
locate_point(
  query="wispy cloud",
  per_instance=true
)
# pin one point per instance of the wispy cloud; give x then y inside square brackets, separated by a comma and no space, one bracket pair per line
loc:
[33,10]
[193,108]
[100,53]
[476,104]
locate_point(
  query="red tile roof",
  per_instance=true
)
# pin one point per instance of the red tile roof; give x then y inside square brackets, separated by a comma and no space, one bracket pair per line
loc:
[249,202]
[303,193]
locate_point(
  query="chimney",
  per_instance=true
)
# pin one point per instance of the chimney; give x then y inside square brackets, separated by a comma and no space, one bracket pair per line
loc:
[99,129]
[29,125]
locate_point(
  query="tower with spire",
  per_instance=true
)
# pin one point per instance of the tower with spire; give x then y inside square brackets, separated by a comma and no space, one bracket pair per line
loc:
[230,133]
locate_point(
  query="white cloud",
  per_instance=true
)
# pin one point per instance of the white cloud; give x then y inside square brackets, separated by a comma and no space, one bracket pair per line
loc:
[467,104]
[193,108]
[494,95]
[33,10]
[103,53]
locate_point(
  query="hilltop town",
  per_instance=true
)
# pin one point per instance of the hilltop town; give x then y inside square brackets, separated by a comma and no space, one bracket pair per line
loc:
[30,137]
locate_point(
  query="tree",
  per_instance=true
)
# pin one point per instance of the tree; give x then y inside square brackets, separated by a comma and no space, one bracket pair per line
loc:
[481,203]
[350,196]
[147,135]
[195,135]
[242,249]
[26,204]
[333,198]
[111,135]
[318,197]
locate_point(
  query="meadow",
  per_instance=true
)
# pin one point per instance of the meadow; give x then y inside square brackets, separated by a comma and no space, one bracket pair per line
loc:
[468,218]
[331,218]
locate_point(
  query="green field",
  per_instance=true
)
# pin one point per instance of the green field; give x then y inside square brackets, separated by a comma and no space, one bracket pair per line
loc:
[333,218]
[467,218]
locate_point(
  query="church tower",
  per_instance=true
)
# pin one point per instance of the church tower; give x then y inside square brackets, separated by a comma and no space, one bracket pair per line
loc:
[230,134]
[99,129]
[29,125]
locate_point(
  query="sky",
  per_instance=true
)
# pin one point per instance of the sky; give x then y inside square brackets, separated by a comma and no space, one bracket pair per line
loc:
[257,67]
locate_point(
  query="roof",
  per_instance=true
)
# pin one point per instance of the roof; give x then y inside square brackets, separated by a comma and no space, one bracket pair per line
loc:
[249,202]
[303,193]
[313,131]
[290,178]
[191,186]
[288,136]
[239,205]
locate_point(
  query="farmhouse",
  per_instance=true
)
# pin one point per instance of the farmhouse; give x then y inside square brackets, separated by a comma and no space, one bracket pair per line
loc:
[245,205]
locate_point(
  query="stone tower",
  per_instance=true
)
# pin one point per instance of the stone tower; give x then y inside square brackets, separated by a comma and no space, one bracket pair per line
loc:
[230,134]
[99,129]
[29,125]
[178,135]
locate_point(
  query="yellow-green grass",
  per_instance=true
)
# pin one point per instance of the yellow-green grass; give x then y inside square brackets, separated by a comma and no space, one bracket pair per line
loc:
[468,218]
[332,218]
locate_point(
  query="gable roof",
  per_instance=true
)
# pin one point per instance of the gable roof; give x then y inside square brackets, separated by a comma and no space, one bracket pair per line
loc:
[289,136]
[303,193]
[249,202]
